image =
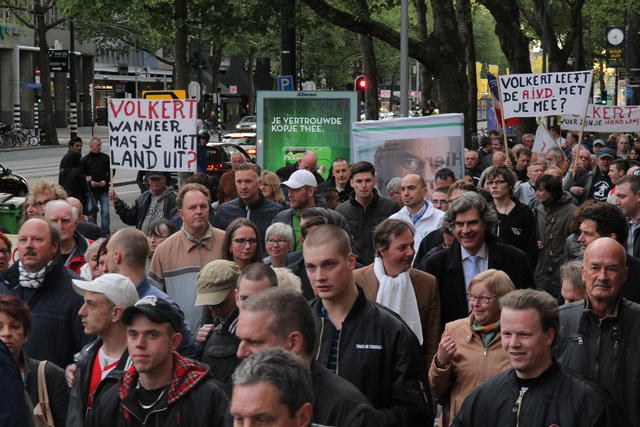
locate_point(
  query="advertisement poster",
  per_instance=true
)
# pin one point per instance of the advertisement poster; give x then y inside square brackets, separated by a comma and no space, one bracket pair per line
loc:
[290,123]
[419,145]
[605,118]
[153,134]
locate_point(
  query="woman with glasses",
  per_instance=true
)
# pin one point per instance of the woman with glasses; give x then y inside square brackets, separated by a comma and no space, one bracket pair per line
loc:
[470,351]
[241,243]
[279,242]
[5,252]
[516,223]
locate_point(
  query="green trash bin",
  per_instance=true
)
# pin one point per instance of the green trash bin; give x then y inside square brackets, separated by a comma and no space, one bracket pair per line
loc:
[10,214]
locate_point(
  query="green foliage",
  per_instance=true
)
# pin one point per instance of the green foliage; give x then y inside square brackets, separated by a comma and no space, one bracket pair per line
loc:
[488,50]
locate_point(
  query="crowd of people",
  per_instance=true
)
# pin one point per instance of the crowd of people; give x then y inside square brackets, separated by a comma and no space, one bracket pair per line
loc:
[507,296]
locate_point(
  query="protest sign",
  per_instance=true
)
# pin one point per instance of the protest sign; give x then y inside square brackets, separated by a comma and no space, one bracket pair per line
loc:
[419,145]
[290,123]
[153,134]
[605,118]
[547,94]
[543,140]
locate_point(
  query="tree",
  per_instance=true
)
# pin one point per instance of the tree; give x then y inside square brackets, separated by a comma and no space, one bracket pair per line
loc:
[442,54]
[35,18]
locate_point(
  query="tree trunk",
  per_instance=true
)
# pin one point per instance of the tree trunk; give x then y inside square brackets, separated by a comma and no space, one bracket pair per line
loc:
[370,71]
[250,80]
[47,118]
[466,33]
[423,34]
[180,45]
[514,44]
[215,60]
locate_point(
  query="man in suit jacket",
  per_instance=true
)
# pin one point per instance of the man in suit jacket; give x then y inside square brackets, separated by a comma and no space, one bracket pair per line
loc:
[475,250]
[390,281]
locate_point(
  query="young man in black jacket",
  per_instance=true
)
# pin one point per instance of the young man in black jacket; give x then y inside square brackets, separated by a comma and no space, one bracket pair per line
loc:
[360,340]
[535,391]
[105,299]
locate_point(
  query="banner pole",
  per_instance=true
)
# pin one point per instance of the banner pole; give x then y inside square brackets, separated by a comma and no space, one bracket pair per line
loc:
[575,157]
[504,128]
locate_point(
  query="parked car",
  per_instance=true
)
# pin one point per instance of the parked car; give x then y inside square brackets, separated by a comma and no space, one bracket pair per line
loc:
[247,123]
[219,160]
[11,183]
[246,140]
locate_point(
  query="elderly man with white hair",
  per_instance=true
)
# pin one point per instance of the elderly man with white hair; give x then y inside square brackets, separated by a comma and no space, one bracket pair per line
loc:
[72,244]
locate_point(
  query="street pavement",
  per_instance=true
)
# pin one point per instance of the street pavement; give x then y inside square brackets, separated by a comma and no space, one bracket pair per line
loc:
[43,163]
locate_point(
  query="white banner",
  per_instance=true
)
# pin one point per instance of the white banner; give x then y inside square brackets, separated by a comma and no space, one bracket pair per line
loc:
[605,118]
[543,140]
[548,94]
[153,134]
[419,145]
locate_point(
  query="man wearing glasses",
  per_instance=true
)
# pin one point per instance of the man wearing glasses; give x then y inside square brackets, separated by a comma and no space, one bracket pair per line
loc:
[476,249]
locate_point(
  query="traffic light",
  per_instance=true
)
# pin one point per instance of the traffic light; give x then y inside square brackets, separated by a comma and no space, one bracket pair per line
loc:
[361,83]
[603,97]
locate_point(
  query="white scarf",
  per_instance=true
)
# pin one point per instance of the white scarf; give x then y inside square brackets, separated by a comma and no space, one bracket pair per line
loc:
[31,280]
[397,294]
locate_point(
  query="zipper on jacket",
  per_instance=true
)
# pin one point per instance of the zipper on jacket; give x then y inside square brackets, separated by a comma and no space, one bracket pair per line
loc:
[518,405]
[597,377]
[320,337]
[147,416]
[484,360]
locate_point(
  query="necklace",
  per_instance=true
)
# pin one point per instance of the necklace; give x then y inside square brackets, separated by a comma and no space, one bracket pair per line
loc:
[146,407]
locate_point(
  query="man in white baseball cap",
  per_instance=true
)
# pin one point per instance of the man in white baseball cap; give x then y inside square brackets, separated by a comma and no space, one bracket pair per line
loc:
[105,359]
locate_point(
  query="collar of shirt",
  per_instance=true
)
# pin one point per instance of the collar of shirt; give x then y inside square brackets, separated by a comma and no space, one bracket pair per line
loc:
[481,254]
[415,218]
[203,241]
[613,315]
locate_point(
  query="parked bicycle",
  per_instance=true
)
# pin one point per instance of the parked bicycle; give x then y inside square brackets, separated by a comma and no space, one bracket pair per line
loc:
[14,136]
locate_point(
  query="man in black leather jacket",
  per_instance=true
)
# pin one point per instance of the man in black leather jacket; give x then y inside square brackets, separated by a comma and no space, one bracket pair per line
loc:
[537,391]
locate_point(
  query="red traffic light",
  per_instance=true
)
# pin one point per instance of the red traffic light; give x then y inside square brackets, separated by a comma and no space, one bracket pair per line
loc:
[361,83]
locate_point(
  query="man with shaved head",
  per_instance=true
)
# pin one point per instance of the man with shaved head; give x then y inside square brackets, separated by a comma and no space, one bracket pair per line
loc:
[598,335]
[308,161]
[417,210]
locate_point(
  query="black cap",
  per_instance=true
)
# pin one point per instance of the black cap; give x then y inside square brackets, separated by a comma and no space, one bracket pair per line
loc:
[155,309]
[157,174]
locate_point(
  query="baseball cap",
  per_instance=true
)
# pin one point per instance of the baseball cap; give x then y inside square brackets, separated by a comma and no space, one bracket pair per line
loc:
[301,178]
[155,309]
[156,174]
[598,142]
[606,152]
[117,288]
[215,281]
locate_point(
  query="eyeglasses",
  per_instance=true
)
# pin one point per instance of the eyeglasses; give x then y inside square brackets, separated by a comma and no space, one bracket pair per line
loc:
[496,181]
[276,242]
[482,299]
[243,242]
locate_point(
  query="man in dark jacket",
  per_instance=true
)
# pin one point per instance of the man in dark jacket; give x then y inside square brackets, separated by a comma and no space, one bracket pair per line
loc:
[475,250]
[598,335]
[71,176]
[365,209]
[72,244]
[250,203]
[96,167]
[281,318]
[535,391]
[340,177]
[157,202]
[360,340]
[42,281]
[628,200]
[219,281]
[553,215]
[602,219]
[162,388]
[13,405]
[105,299]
